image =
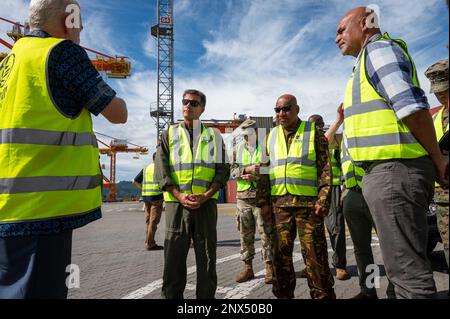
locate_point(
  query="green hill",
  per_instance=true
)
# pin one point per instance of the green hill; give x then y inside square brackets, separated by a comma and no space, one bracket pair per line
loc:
[125,191]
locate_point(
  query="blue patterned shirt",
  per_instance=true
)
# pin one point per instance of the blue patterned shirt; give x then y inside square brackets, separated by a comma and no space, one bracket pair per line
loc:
[73,84]
[390,73]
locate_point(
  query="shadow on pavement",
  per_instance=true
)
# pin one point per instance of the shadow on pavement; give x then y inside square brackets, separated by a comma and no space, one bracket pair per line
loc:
[231,243]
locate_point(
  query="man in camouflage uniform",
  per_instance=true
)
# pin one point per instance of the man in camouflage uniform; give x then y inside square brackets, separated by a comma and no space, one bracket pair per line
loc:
[245,168]
[438,76]
[299,213]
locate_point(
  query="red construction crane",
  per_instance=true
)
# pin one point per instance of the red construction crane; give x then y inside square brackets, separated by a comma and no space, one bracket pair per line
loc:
[111,150]
[118,67]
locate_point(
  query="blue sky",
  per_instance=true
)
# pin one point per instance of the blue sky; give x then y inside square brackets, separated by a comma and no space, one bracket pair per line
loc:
[242,54]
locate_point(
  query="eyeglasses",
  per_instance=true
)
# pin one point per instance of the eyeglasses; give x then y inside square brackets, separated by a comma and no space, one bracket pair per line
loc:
[285,109]
[193,103]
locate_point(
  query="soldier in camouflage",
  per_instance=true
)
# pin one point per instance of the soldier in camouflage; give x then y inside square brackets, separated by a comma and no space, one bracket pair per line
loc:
[298,213]
[245,168]
[438,76]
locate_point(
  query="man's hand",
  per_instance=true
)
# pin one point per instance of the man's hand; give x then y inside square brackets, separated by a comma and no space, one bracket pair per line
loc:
[441,166]
[331,132]
[200,199]
[188,201]
[321,211]
[254,169]
[340,113]
[249,178]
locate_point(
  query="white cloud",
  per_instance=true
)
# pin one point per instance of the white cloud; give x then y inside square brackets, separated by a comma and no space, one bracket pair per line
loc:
[140,129]
[269,48]
[14,10]
[98,35]
[150,47]
[254,51]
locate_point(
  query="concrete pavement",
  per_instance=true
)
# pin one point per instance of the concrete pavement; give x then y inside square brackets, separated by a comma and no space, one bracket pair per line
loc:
[113,264]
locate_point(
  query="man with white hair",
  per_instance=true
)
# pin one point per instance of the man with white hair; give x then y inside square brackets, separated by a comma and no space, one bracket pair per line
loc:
[50,179]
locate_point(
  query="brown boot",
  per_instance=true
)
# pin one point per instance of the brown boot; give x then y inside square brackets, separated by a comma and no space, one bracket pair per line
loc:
[269,273]
[247,273]
[342,274]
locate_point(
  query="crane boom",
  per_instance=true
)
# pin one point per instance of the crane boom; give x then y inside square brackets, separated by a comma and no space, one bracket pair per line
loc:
[117,67]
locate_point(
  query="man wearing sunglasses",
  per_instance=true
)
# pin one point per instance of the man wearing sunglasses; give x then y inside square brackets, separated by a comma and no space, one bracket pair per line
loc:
[300,180]
[191,169]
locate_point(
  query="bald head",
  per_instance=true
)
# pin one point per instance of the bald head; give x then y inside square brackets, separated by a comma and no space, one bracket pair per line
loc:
[355,28]
[356,12]
[288,98]
[287,110]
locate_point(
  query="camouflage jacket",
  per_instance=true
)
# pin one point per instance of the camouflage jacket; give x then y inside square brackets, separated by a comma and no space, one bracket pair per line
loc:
[323,176]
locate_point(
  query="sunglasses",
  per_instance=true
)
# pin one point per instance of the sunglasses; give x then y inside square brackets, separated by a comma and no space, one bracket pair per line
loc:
[193,103]
[285,109]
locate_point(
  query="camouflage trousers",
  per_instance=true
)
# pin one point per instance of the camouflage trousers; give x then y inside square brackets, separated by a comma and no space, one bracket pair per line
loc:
[311,232]
[441,199]
[248,217]
[442,222]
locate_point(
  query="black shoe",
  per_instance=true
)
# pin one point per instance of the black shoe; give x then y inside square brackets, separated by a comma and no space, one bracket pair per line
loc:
[156,247]
[362,295]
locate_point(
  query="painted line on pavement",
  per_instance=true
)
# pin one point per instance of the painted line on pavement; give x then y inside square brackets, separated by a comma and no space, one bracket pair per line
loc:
[240,291]
[157,284]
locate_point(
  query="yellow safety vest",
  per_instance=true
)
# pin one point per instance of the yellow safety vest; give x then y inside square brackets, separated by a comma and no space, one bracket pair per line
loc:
[149,186]
[49,163]
[192,175]
[335,168]
[437,121]
[352,174]
[248,160]
[293,172]
[371,127]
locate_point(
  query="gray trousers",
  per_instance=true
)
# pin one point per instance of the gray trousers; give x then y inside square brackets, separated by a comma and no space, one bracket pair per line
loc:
[182,225]
[336,228]
[398,193]
[360,226]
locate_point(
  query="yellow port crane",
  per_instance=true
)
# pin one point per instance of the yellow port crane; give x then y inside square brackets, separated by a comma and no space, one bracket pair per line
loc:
[117,67]
[111,150]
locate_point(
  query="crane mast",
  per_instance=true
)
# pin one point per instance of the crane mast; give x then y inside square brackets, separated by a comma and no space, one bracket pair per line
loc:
[163,32]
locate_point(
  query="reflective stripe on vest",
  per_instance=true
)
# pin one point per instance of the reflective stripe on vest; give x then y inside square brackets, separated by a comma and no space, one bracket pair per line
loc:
[335,168]
[48,162]
[437,121]
[372,129]
[293,172]
[192,175]
[248,159]
[352,174]
[149,186]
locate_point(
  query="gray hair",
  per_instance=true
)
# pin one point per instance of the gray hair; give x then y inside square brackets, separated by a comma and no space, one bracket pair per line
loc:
[44,13]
